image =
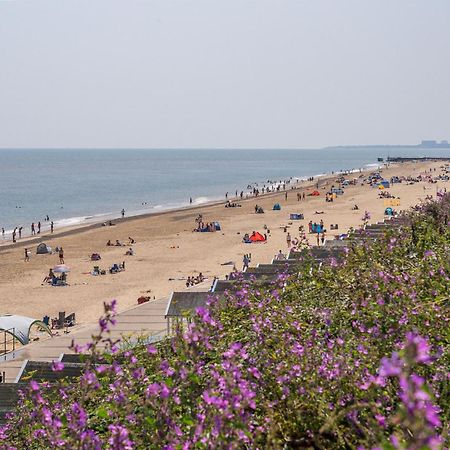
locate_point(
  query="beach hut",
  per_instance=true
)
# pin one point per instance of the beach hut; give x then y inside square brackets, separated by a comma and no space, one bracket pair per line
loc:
[43,249]
[276,207]
[182,306]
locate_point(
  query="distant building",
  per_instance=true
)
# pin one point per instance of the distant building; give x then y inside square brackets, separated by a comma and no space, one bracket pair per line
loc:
[434,144]
[428,143]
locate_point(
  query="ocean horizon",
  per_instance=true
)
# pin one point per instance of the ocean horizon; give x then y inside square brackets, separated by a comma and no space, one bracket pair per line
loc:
[80,186]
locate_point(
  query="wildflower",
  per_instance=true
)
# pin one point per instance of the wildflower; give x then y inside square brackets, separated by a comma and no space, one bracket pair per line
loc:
[57,366]
[119,439]
[151,350]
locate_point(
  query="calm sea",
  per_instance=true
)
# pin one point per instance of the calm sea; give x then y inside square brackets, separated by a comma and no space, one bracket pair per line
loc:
[78,186]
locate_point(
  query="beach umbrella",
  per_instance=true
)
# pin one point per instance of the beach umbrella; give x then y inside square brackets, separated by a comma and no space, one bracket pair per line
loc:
[61,268]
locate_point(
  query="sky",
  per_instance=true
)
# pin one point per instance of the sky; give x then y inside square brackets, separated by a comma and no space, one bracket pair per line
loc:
[223,73]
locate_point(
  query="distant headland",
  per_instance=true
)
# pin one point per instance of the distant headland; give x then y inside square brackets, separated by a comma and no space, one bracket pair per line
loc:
[423,144]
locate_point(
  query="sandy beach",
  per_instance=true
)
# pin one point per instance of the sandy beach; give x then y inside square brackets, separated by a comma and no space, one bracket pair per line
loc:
[167,251]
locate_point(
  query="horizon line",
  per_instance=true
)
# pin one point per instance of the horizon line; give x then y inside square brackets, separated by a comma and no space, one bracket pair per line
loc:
[337,146]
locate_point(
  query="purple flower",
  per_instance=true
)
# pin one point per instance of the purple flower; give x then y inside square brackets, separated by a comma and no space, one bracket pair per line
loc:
[152,390]
[391,366]
[57,366]
[151,350]
[119,439]
[419,347]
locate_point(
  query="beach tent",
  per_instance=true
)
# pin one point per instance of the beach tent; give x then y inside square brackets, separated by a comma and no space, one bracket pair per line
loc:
[337,191]
[388,211]
[20,326]
[42,249]
[276,207]
[315,193]
[217,226]
[295,216]
[257,237]
[317,228]
[385,183]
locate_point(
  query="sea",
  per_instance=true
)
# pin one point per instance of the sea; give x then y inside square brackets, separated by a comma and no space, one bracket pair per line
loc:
[77,187]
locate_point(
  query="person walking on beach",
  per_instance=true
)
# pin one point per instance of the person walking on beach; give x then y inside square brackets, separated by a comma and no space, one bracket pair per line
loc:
[246,261]
[285,195]
[14,236]
[190,200]
[39,228]
[20,232]
[33,231]
[61,255]
[322,238]
[288,240]
[51,227]
[123,213]
[27,256]
[318,239]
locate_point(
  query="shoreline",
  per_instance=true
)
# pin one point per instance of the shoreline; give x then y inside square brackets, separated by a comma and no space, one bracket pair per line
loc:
[7,244]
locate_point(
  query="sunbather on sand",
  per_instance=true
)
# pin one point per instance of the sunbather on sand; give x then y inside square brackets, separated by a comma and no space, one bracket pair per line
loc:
[49,277]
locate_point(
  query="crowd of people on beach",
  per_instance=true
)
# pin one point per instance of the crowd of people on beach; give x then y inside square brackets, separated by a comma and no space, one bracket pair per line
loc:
[315,228]
[194,279]
[35,229]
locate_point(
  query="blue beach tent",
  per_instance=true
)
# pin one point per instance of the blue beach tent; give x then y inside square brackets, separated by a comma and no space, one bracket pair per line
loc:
[276,207]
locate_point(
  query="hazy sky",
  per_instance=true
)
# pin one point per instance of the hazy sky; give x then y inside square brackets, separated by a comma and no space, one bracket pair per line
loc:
[223,73]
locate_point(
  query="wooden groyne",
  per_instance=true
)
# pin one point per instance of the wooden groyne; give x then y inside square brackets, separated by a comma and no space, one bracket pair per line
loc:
[422,159]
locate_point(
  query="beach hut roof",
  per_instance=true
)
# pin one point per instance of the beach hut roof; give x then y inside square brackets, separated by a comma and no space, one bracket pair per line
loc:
[20,326]
[181,303]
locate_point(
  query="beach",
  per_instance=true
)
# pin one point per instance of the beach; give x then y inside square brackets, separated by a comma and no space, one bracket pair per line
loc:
[167,251]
